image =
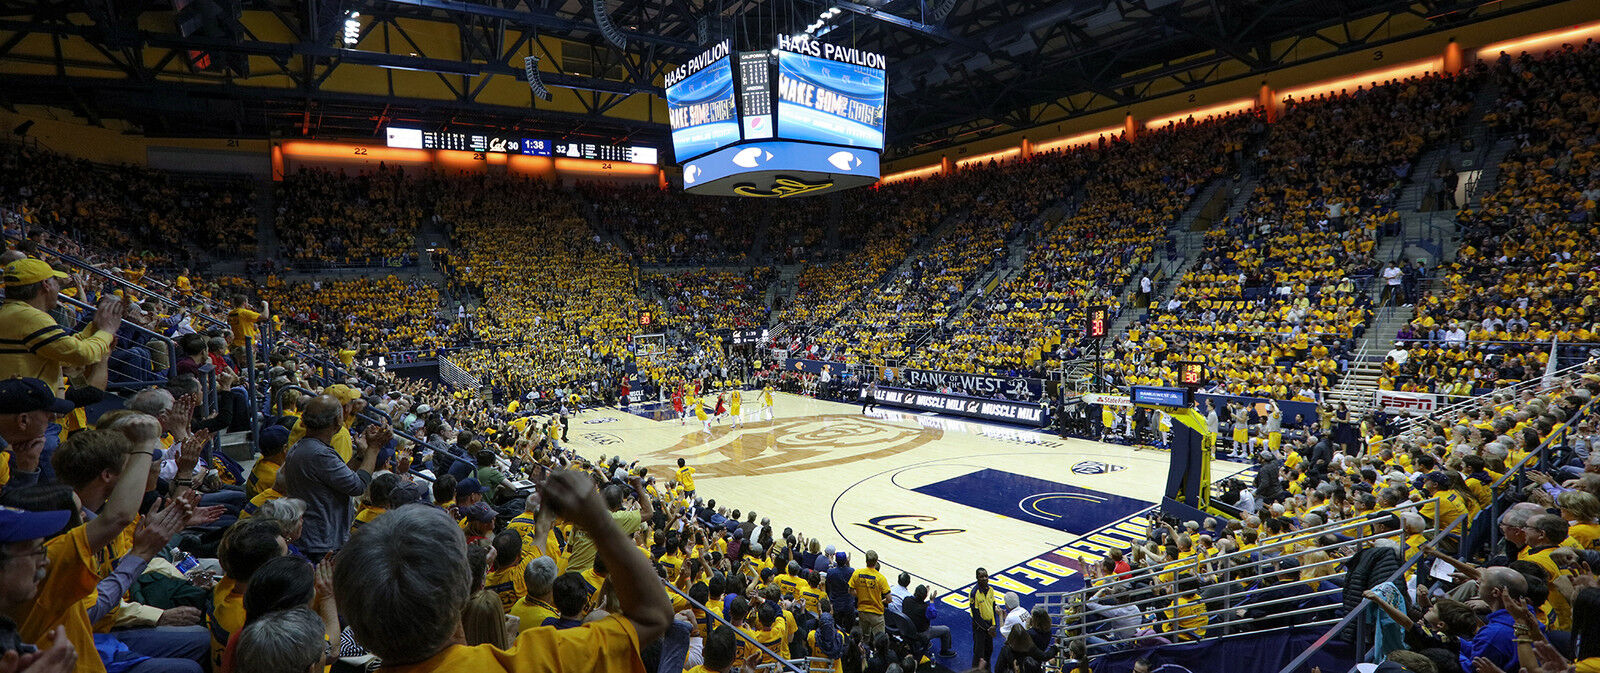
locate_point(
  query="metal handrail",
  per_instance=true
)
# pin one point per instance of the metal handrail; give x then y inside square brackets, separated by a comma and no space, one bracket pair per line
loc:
[1263,561]
[1515,472]
[120,282]
[1307,534]
[171,346]
[1416,423]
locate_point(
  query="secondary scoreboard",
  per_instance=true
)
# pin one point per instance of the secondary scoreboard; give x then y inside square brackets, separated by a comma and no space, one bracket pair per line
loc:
[803,118]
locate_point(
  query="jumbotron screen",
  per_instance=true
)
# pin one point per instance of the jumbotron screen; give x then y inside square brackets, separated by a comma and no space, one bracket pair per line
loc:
[700,104]
[838,100]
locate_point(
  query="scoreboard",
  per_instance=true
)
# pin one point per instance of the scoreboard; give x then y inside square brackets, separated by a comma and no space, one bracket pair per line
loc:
[418,139]
[803,118]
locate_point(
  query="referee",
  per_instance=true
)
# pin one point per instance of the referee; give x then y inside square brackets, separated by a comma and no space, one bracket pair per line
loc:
[869,397]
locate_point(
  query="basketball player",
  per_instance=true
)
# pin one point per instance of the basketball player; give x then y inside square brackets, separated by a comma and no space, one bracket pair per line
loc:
[722,408]
[686,480]
[734,400]
[677,404]
[766,401]
[700,413]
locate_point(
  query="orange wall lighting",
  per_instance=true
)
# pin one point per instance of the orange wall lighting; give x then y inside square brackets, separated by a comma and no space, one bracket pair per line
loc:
[1080,139]
[300,148]
[587,166]
[1200,114]
[1001,156]
[924,172]
[1538,43]
[1363,80]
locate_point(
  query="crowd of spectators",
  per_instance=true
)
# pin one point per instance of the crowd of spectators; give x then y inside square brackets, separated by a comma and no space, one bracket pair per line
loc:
[1525,272]
[150,217]
[370,315]
[1273,304]
[706,302]
[1133,191]
[371,219]
[671,227]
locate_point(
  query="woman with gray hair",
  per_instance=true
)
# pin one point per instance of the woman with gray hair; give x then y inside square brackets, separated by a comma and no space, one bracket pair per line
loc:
[285,641]
[290,514]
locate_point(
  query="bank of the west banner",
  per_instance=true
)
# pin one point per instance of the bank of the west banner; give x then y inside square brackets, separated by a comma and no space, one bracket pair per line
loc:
[976,385]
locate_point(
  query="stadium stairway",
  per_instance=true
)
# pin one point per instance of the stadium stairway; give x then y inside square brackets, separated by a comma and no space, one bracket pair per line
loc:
[1486,181]
[1209,203]
[266,208]
[1243,191]
[787,286]
[1355,388]
[1422,181]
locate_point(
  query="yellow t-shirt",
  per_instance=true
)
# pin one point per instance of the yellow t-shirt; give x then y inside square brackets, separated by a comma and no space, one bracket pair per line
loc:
[263,475]
[243,323]
[870,586]
[227,617]
[686,477]
[509,583]
[532,612]
[609,645]
[69,579]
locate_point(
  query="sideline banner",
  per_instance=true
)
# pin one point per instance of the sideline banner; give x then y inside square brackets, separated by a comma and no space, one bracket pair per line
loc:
[815,366]
[1102,398]
[1023,413]
[981,385]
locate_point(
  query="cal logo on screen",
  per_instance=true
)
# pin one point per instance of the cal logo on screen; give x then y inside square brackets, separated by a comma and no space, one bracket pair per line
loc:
[907,527]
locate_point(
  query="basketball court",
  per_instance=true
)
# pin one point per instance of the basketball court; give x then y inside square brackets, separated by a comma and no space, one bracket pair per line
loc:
[935,496]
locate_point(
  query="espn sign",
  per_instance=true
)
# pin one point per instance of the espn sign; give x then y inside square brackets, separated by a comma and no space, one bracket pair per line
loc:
[1405,403]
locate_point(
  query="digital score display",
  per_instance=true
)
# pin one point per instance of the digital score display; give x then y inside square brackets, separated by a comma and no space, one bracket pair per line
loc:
[755,95]
[1191,374]
[418,139]
[1094,324]
[633,154]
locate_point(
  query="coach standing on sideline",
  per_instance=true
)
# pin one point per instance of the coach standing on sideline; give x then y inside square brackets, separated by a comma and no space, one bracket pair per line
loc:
[313,472]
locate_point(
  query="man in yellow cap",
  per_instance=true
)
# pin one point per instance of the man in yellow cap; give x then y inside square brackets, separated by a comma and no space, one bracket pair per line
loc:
[32,345]
[353,404]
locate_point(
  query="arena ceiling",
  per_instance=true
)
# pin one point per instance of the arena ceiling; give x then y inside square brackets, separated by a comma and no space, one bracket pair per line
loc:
[957,67]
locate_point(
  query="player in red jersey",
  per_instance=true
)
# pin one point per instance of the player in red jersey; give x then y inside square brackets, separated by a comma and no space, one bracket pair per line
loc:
[722,407]
[677,404]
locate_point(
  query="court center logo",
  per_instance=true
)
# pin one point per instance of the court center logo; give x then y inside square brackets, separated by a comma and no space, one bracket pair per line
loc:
[907,527]
[1096,467]
[792,444]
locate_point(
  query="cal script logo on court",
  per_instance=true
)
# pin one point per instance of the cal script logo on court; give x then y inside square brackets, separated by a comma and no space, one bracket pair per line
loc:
[1096,467]
[902,528]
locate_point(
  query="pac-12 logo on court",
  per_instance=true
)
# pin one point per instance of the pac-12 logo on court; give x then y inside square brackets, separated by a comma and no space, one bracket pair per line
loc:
[900,527]
[1096,467]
